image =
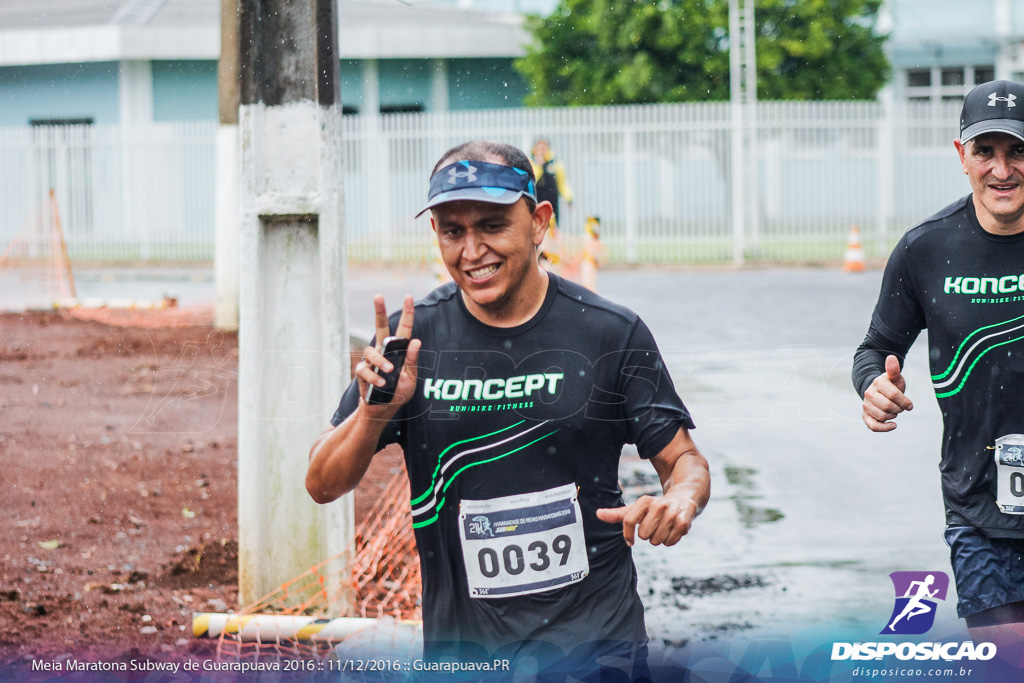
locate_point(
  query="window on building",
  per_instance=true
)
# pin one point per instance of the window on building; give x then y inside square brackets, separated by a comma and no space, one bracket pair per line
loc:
[401,108]
[945,84]
[61,122]
[919,78]
[953,76]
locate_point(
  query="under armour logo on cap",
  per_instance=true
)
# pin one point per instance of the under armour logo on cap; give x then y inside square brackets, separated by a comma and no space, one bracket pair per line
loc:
[480,181]
[994,97]
[981,113]
[454,174]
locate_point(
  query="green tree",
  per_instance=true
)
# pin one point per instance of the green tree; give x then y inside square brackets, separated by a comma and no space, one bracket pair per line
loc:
[591,52]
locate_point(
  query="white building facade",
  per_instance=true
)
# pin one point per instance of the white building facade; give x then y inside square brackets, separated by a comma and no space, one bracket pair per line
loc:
[940,49]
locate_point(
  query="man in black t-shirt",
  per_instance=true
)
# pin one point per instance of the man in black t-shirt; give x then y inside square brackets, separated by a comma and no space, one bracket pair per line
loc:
[960,274]
[516,397]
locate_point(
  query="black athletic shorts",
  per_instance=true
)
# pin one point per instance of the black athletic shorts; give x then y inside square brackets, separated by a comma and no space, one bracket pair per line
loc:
[989,573]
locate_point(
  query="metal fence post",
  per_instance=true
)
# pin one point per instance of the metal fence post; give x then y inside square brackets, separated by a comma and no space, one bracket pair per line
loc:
[886,163]
[629,159]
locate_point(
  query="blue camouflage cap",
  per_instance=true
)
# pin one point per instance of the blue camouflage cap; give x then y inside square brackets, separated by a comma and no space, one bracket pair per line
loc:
[481,182]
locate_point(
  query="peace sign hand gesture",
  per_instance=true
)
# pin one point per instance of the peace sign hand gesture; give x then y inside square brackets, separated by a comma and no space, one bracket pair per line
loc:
[373,358]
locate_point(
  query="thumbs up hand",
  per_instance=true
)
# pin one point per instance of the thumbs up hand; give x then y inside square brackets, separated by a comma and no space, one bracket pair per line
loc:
[884,399]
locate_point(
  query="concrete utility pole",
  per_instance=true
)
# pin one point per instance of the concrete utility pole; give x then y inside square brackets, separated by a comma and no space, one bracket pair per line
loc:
[743,144]
[225,255]
[293,342]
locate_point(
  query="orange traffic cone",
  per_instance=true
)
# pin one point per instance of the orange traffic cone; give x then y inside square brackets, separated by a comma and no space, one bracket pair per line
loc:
[854,260]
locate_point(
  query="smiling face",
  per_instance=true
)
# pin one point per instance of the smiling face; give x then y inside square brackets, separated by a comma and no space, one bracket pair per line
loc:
[490,250]
[994,162]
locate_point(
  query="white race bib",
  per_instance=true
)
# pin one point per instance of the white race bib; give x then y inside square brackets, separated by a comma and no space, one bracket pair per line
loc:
[1010,474]
[523,544]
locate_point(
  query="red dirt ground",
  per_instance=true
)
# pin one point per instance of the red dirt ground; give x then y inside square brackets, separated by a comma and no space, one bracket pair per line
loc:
[118,445]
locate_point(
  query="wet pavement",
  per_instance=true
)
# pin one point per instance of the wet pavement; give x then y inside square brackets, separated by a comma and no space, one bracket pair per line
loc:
[810,511]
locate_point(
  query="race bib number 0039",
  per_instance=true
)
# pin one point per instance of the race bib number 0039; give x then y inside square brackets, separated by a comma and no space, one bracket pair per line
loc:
[523,544]
[1010,474]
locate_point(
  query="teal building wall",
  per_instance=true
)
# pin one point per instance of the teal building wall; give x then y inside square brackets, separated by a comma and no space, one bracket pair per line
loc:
[185,90]
[484,84]
[59,91]
[405,84]
[352,85]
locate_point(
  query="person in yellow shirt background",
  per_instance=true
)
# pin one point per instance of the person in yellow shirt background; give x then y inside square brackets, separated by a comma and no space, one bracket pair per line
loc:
[551,185]
[550,174]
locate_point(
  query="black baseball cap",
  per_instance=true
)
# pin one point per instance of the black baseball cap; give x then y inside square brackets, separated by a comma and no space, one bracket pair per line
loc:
[994,107]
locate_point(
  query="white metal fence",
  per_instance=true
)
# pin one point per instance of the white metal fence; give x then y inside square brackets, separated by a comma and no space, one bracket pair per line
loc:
[133,193]
[658,177]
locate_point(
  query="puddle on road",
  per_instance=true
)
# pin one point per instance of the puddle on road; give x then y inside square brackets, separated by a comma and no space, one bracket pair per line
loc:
[640,482]
[643,482]
[751,515]
[742,491]
[673,592]
[680,587]
[723,583]
[716,603]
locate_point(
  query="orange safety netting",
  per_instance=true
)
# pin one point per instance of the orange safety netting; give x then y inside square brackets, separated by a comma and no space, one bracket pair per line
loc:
[382,581]
[386,570]
[164,315]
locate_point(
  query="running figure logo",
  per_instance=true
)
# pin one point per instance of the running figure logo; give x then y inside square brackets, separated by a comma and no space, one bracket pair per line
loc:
[481,526]
[917,594]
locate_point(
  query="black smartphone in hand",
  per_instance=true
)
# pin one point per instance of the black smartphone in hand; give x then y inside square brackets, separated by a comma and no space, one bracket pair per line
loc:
[394,349]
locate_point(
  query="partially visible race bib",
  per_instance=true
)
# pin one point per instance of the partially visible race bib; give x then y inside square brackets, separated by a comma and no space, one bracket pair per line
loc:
[523,544]
[1010,474]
